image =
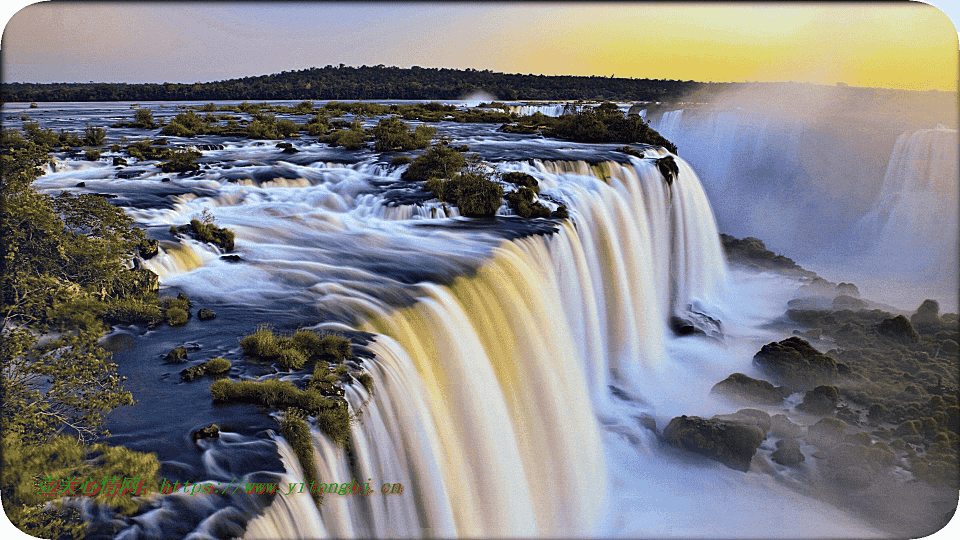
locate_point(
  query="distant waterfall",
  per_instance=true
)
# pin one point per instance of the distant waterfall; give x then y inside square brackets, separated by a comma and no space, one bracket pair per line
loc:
[914,216]
[488,390]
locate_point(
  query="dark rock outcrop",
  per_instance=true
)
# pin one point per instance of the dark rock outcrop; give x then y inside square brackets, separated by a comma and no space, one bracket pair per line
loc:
[730,443]
[898,329]
[738,385]
[206,314]
[177,356]
[748,417]
[844,301]
[821,400]
[795,363]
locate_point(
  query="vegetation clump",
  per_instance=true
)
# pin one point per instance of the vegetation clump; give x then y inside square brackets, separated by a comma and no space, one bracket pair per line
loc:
[214,366]
[205,230]
[332,415]
[522,203]
[393,134]
[297,433]
[181,161]
[440,161]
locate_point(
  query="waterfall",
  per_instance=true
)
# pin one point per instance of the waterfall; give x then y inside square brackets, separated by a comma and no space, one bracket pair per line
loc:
[488,391]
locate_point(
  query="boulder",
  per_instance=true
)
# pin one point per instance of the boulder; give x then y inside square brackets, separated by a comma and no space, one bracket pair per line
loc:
[787,453]
[781,427]
[795,363]
[231,258]
[844,301]
[826,433]
[748,417]
[193,372]
[898,329]
[730,443]
[206,314]
[821,400]
[118,161]
[738,385]
[927,317]
[177,356]
[81,184]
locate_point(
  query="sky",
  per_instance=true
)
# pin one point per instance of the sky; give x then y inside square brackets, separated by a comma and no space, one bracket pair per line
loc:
[894,45]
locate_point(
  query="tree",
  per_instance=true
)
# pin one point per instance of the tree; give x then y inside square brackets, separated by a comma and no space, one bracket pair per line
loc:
[64,265]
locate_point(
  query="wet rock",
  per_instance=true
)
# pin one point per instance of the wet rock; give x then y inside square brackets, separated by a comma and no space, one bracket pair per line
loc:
[844,301]
[206,314]
[821,400]
[648,422]
[210,432]
[177,356]
[730,443]
[668,169]
[118,161]
[826,433]
[795,363]
[231,258]
[738,385]
[748,417]
[787,453]
[206,147]
[899,329]
[783,428]
[193,372]
[129,174]
[81,184]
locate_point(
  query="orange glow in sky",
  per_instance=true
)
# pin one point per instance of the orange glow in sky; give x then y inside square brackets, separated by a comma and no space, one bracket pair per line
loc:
[895,45]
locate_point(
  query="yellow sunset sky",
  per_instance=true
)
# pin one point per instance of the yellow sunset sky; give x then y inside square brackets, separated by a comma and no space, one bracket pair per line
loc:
[895,45]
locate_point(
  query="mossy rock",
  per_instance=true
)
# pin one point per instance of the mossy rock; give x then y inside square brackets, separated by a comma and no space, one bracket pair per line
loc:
[206,315]
[781,427]
[821,400]
[898,329]
[748,417]
[795,363]
[828,432]
[177,356]
[731,443]
[210,432]
[741,386]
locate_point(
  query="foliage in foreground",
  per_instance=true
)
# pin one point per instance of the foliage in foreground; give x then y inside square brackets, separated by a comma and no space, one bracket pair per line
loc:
[64,276]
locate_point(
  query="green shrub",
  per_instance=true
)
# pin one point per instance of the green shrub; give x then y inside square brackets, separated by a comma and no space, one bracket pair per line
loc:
[181,161]
[333,417]
[560,213]
[473,193]
[400,160]
[308,343]
[210,233]
[292,358]
[143,118]
[439,161]
[217,365]
[366,380]
[91,155]
[336,348]
[94,136]
[522,180]
[522,204]
[177,316]
[295,430]
[261,344]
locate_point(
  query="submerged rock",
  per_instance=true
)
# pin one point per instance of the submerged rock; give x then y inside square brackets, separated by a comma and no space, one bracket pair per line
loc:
[730,443]
[738,385]
[796,363]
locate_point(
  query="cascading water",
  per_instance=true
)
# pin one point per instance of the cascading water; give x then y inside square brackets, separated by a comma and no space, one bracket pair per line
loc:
[851,194]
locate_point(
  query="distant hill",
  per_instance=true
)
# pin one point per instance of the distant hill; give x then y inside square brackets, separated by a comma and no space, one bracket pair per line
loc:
[380,82]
